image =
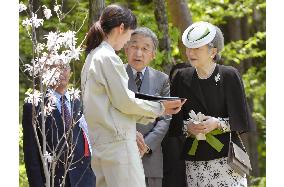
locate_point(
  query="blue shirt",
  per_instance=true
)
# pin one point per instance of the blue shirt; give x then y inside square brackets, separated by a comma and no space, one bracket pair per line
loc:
[66,101]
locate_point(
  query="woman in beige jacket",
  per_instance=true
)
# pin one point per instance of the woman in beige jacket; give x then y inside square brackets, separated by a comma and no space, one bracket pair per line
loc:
[110,108]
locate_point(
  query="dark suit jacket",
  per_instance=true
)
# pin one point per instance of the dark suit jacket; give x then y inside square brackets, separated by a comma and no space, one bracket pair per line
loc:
[80,173]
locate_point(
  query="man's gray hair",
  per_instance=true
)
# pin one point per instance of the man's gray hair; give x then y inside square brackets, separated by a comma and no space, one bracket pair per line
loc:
[147,33]
[217,42]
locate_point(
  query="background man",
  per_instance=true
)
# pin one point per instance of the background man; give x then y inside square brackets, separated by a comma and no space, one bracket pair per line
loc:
[140,51]
[66,116]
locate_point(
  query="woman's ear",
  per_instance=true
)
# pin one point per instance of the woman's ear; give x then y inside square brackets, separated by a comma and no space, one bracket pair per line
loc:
[213,52]
[153,54]
[121,28]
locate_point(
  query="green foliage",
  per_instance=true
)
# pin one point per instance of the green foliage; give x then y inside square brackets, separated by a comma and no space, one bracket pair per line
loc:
[216,11]
[258,182]
[238,51]
[23,180]
[254,83]
[146,18]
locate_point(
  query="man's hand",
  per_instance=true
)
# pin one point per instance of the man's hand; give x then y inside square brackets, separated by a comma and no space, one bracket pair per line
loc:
[141,144]
[173,107]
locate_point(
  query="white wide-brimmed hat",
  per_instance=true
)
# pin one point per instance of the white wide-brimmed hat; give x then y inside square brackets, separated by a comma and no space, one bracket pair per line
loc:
[198,34]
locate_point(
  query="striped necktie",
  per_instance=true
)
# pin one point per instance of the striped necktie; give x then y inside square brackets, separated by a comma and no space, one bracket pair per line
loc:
[138,80]
[65,112]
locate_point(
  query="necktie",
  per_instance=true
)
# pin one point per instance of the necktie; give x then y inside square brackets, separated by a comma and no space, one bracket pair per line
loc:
[138,80]
[65,113]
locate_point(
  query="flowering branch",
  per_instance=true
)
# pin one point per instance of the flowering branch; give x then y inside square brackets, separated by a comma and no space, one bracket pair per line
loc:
[57,50]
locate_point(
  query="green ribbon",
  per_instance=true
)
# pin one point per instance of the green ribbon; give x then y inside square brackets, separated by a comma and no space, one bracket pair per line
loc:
[210,139]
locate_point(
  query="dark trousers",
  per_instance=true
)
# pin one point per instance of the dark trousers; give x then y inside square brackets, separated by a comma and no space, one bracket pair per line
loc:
[173,164]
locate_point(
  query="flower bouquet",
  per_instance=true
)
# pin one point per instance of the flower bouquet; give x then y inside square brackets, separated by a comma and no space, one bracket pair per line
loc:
[196,119]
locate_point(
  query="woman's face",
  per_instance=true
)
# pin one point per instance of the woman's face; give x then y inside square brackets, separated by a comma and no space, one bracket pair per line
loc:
[123,38]
[200,57]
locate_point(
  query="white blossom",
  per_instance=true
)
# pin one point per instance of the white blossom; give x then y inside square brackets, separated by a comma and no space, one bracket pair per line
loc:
[22,7]
[47,157]
[46,12]
[75,53]
[33,68]
[51,40]
[32,21]
[56,8]
[33,98]
[75,93]
[36,22]
[29,68]
[27,22]
[40,47]
[50,77]
[69,38]
[51,97]
[48,108]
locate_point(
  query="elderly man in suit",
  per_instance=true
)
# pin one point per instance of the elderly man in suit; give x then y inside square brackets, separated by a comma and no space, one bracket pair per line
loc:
[61,134]
[140,51]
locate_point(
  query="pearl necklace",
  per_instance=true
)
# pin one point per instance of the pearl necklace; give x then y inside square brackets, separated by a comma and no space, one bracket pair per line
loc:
[209,75]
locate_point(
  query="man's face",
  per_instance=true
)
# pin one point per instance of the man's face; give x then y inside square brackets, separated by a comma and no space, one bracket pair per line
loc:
[139,51]
[65,73]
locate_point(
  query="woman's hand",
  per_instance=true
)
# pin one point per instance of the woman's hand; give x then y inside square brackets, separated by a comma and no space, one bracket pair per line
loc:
[210,123]
[195,128]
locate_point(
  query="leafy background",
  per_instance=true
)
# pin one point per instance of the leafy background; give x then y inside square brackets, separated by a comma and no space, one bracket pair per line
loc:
[246,52]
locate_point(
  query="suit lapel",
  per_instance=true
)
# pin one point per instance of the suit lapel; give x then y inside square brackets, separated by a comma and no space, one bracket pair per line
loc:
[131,82]
[193,84]
[146,83]
[58,118]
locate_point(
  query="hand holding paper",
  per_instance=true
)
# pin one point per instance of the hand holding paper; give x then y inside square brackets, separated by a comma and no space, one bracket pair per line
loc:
[173,106]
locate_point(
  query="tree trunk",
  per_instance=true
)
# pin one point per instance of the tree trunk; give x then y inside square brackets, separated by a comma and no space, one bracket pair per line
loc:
[164,41]
[181,18]
[95,9]
[162,22]
[245,35]
[234,34]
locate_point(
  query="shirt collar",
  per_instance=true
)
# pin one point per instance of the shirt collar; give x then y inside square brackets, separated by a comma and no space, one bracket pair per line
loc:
[58,95]
[135,72]
[105,43]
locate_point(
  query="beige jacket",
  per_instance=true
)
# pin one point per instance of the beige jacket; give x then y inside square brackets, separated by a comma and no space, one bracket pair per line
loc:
[110,108]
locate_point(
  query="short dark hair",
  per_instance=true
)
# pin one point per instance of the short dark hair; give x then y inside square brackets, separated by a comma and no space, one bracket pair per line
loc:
[147,33]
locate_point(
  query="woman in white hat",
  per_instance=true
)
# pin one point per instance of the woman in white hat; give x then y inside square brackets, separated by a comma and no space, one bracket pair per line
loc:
[217,92]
